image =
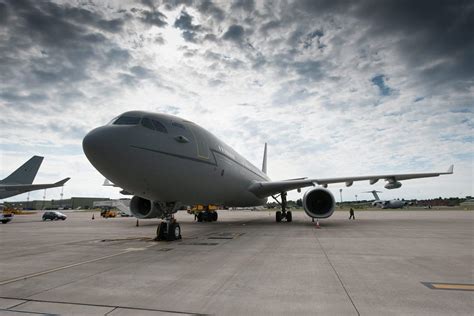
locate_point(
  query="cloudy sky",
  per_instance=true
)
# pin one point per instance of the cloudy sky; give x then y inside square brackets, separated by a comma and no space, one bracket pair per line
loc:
[336,88]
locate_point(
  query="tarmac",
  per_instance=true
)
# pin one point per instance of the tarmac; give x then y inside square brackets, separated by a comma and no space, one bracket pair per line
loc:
[383,263]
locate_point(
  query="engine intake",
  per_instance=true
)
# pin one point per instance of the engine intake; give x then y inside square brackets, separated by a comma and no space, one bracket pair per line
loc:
[144,208]
[319,203]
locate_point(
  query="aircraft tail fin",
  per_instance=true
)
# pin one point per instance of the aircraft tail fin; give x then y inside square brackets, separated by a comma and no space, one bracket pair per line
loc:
[376,196]
[264,163]
[26,173]
[374,192]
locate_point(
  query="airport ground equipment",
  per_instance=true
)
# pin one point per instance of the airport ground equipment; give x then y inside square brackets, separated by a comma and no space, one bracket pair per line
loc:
[167,162]
[6,217]
[108,213]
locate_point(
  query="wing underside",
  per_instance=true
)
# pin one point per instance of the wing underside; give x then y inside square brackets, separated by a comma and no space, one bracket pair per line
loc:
[264,189]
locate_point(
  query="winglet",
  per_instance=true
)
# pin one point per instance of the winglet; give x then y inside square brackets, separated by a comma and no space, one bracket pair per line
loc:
[264,163]
[450,170]
[60,183]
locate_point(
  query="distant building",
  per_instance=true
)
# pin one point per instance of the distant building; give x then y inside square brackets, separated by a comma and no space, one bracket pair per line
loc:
[72,203]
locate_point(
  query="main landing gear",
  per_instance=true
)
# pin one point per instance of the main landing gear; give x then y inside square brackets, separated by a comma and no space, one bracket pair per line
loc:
[283,214]
[169,229]
[206,216]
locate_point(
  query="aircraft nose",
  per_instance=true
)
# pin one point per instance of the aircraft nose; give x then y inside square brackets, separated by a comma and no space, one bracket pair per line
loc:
[91,143]
[97,145]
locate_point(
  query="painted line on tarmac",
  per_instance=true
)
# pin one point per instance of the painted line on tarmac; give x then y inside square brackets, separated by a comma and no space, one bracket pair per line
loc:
[29,276]
[449,286]
[116,307]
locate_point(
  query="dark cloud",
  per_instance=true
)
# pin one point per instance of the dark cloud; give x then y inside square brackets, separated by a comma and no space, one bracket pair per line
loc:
[434,38]
[150,17]
[52,47]
[185,23]
[207,7]
[234,33]
[3,13]
[247,5]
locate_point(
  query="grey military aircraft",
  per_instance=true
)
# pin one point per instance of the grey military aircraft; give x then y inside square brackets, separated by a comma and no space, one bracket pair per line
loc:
[20,181]
[387,203]
[167,162]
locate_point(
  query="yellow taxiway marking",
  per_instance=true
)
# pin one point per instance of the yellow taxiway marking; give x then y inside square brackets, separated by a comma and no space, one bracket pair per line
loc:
[28,276]
[450,286]
[469,287]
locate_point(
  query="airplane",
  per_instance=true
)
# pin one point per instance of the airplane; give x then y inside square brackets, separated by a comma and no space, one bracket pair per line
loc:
[20,181]
[387,203]
[166,162]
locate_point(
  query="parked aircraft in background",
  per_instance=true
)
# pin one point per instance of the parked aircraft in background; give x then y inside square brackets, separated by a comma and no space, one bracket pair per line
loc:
[20,181]
[166,162]
[387,203]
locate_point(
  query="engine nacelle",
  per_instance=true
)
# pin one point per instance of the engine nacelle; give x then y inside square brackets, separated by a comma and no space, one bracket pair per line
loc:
[144,208]
[319,203]
[393,185]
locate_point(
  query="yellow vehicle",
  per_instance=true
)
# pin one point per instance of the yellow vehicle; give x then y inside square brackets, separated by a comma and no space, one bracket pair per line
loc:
[204,213]
[108,213]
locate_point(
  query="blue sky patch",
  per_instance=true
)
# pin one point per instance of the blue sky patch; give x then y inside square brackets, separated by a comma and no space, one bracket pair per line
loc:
[379,81]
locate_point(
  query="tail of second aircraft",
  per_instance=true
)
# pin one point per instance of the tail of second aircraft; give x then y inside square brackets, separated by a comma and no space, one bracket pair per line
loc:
[374,192]
[26,173]
[264,163]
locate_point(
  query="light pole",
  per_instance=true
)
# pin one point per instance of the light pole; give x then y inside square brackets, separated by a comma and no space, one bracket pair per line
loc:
[340,193]
[356,197]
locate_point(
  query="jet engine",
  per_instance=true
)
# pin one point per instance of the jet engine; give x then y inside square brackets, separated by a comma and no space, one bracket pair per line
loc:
[318,203]
[144,208]
[393,185]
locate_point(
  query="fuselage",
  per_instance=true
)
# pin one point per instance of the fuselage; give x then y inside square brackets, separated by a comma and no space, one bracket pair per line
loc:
[390,203]
[166,158]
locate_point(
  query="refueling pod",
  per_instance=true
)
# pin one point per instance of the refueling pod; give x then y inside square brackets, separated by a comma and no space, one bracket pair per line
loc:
[393,185]
[319,203]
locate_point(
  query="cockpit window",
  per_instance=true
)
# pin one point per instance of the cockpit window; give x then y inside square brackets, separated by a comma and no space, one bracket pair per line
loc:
[154,125]
[159,127]
[147,123]
[127,120]
[178,125]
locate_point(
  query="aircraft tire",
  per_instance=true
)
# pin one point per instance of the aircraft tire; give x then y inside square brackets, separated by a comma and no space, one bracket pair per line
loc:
[160,231]
[289,216]
[278,216]
[174,232]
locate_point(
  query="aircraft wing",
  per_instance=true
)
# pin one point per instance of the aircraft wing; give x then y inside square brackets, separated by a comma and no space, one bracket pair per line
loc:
[32,187]
[264,189]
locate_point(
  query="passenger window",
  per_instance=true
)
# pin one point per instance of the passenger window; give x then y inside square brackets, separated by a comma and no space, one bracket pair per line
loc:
[147,123]
[159,127]
[127,120]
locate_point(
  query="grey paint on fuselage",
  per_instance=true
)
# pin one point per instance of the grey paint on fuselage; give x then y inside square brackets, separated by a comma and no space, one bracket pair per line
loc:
[161,167]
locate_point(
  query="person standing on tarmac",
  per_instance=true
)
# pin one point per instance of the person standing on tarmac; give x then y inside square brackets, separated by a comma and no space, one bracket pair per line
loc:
[351,214]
